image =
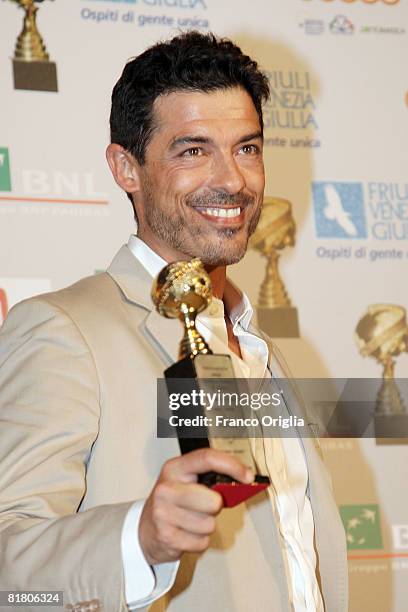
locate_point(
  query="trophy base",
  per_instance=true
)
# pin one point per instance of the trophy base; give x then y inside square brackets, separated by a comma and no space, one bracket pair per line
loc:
[35,76]
[231,491]
[391,429]
[279,322]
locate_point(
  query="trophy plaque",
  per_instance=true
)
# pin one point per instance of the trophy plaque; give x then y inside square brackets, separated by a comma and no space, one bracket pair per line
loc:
[275,231]
[182,290]
[382,333]
[32,68]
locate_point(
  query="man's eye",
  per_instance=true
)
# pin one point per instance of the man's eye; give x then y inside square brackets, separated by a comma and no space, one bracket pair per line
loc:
[249,149]
[192,152]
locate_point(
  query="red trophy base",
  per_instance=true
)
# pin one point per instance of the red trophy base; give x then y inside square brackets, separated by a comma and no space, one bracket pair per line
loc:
[231,491]
[236,492]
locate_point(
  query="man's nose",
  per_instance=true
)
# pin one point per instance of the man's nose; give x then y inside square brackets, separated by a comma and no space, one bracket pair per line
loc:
[227,175]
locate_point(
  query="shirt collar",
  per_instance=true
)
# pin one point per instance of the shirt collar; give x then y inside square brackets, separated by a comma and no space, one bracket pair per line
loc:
[238,306]
[243,314]
[236,302]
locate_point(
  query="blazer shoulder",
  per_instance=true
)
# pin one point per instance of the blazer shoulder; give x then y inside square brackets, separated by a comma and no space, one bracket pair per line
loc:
[79,302]
[87,292]
[86,297]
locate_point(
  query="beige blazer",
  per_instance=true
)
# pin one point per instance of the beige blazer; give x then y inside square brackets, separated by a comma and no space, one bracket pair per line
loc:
[78,445]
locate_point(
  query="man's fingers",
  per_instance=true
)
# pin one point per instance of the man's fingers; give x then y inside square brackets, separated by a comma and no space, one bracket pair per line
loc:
[196,523]
[170,542]
[195,497]
[189,542]
[186,467]
[178,516]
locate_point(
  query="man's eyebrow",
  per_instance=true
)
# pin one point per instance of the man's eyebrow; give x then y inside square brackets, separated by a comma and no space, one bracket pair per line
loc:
[188,140]
[185,140]
[253,136]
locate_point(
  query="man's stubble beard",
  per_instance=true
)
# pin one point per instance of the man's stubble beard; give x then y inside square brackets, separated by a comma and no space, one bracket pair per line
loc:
[173,231]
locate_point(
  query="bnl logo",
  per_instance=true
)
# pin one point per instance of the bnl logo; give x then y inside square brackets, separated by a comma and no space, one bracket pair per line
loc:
[339,210]
[5,178]
[362,526]
[3,305]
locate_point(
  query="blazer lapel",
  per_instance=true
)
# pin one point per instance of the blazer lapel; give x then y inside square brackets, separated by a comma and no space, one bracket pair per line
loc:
[165,335]
[136,283]
[132,278]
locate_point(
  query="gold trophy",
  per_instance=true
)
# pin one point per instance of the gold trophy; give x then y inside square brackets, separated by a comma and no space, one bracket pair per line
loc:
[182,290]
[275,231]
[31,66]
[382,333]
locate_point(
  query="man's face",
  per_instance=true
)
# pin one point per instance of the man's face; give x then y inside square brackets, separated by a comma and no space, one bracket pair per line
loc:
[203,179]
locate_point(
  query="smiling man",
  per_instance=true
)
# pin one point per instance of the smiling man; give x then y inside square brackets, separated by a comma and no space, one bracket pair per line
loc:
[199,189]
[91,502]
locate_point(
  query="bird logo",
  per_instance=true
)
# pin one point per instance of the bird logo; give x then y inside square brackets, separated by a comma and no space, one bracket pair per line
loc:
[334,211]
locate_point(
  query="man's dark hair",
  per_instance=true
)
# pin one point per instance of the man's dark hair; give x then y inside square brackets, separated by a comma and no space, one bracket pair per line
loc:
[188,62]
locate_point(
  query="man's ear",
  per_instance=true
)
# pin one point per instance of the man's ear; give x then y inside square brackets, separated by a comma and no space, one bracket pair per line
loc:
[124,167]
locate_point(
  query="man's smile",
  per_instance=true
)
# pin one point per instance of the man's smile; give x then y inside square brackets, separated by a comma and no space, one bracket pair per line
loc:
[222,215]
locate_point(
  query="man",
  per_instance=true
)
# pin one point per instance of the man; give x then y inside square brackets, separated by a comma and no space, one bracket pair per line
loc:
[92,502]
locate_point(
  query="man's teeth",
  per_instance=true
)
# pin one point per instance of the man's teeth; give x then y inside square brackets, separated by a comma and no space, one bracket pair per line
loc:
[221,212]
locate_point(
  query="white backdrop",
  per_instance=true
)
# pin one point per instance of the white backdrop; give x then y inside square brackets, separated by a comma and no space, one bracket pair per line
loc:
[337,121]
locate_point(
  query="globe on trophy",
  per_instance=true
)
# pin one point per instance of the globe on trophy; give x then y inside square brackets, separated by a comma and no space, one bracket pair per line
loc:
[275,231]
[382,333]
[181,291]
[32,68]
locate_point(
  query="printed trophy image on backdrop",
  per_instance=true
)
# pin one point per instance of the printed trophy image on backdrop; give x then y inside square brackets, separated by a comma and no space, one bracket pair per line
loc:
[182,290]
[31,66]
[275,231]
[382,333]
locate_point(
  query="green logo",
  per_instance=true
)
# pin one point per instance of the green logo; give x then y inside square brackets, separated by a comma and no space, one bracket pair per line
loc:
[362,526]
[5,179]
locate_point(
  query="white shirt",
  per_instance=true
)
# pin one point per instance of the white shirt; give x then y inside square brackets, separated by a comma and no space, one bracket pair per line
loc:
[283,460]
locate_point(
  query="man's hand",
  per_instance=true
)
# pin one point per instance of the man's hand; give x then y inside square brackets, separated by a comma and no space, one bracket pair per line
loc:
[179,514]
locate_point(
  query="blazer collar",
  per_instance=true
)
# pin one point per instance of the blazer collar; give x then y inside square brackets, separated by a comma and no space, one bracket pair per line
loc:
[136,283]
